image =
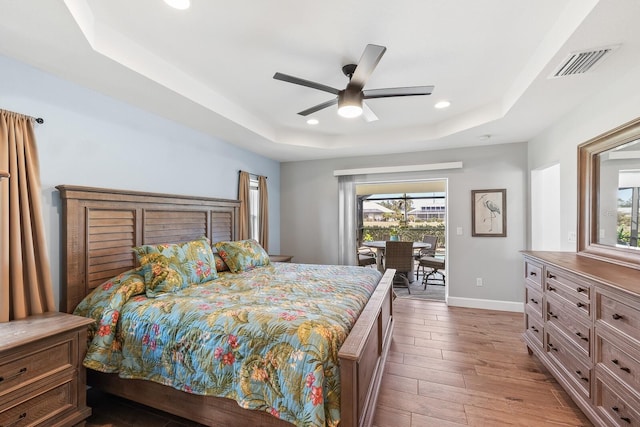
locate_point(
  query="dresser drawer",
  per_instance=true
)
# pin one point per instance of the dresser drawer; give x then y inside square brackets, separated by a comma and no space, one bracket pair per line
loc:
[617,312]
[533,274]
[534,327]
[576,371]
[534,300]
[574,325]
[572,289]
[21,369]
[42,409]
[621,360]
[617,406]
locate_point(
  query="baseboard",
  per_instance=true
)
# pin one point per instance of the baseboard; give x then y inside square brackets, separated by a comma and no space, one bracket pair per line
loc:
[486,304]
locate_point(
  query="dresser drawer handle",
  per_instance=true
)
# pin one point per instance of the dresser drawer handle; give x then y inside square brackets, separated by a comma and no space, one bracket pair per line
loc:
[622,368]
[552,315]
[535,329]
[581,377]
[19,419]
[533,301]
[581,290]
[626,419]
[551,288]
[580,305]
[551,276]
[12,376]
[617,316]
[533,273]
[551,347]
[582,337]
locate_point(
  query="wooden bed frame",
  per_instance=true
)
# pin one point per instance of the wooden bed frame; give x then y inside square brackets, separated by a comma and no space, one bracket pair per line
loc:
[99,228]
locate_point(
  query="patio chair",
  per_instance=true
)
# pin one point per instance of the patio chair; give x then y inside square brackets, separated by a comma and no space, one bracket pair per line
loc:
[399,255]
[437,267]
[429,252]
[366,257]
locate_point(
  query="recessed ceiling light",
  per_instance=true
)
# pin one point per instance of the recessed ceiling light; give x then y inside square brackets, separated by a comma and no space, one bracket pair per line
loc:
[442,104]
[179,4]
[313,121]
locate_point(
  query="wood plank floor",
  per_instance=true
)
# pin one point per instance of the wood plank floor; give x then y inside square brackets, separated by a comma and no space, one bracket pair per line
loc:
[448,366]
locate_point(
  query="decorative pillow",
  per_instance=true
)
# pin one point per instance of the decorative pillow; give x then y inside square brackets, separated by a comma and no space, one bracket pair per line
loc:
[171,267]
[242,255]
[220,264]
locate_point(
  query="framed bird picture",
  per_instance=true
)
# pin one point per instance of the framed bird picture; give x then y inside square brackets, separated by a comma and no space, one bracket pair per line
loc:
[489,213]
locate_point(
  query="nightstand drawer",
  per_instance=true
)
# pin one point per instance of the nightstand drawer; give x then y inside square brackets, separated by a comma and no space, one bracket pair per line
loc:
[40,409]
[19,370]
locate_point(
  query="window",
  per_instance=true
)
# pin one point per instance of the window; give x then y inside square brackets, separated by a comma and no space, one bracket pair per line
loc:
[254,209]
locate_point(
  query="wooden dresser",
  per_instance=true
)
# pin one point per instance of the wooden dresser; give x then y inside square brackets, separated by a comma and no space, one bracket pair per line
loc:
[582,319]
[42,380]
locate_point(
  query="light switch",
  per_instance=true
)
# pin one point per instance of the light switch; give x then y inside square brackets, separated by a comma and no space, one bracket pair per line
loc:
[459,231]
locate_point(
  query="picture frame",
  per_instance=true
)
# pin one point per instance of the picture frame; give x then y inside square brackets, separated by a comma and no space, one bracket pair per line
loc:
[489,213]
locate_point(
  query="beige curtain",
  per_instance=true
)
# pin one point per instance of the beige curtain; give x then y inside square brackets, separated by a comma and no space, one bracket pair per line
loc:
[264,212]
[25,278]
[245,213]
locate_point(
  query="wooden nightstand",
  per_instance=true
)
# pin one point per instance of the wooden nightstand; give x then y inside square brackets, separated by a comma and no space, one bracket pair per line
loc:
[42,380]
[280,258]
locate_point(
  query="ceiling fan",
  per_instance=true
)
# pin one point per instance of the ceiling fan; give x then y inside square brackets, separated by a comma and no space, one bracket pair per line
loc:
[350,100]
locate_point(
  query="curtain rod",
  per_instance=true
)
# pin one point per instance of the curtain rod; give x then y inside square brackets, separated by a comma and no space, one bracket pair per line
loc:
[252,174]
[38,120]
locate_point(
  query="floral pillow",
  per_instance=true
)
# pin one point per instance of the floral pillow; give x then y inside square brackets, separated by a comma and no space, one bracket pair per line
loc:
[242,255]
[171,267]
[220,264]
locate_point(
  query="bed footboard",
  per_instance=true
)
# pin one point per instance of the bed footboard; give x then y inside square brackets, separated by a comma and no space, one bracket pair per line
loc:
[363,355]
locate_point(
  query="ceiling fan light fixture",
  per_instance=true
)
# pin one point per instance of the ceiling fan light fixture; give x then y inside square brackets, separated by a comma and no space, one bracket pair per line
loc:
[179,4]
[350,104]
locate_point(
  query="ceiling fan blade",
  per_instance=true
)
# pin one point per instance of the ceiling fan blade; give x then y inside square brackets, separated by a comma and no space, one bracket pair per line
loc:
[397,91]
[368,114]
[368,62]
[318,107]
[303,82]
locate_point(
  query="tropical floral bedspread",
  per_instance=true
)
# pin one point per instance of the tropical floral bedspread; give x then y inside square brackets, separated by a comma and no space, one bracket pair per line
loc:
[268,337]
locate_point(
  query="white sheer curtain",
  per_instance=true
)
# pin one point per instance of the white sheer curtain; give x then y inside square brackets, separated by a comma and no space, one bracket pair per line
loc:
[347,220]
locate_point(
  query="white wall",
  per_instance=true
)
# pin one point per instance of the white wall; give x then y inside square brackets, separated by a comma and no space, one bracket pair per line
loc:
[309,216]
[616,104]
[92,140]
[545,209]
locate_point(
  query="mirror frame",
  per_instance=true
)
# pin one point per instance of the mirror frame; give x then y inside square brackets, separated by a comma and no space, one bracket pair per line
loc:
[588,188]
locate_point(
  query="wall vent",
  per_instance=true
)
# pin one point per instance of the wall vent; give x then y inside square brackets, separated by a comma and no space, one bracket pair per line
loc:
[581,62]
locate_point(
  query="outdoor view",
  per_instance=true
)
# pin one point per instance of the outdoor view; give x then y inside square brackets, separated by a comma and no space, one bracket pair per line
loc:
[405,217]
[628,213]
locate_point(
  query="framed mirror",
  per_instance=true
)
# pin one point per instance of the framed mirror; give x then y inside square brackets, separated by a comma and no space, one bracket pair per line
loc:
[609,196]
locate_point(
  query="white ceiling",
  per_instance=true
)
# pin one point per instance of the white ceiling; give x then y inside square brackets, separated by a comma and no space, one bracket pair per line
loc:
[211,67]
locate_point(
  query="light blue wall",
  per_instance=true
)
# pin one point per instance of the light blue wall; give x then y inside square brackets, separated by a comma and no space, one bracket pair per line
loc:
[93,140]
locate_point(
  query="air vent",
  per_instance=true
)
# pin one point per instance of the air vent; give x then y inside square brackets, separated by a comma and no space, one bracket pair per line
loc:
[581,62]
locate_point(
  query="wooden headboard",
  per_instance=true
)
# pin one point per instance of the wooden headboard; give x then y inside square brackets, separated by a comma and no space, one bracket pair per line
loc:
[101,226]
